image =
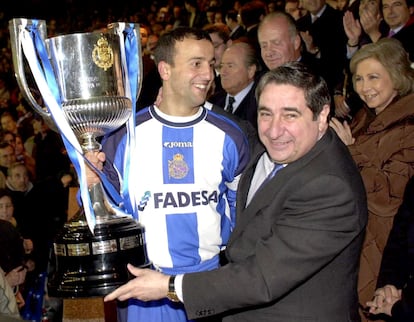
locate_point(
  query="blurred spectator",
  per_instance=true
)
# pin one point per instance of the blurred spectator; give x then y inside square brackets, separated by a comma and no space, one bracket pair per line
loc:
[151,44]
[21,155]
[362,22]
[25,117]
[293,8]
[357,31]
[251,13]
[323,34]
[275,5]
[342,5]
[17,277]
[196,17]
[40,209]
[8,137]
[7,209]
[7,214]
[211,14]
[236,30]
[144,32]
[4,93]
[219,34]
[163,16]
[49,151]
[398,14]
[14,260]
[8,122]
[157,29]
[238,70]
[12,252]
[7,158]
[218,17]
[179,17]
[8,303]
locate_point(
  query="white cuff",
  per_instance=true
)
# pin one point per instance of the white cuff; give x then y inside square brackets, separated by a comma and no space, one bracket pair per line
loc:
[178,285]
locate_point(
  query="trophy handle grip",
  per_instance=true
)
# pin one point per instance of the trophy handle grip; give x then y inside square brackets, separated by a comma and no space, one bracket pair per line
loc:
[15,25]
[115,27]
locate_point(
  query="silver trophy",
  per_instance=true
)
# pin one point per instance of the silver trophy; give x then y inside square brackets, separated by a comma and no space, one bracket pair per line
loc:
[86,81]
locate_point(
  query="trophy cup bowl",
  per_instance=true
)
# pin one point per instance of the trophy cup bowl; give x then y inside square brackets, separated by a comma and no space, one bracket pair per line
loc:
[89,71]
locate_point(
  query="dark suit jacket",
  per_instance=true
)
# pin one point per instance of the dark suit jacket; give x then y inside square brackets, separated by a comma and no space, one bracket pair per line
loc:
[294,253]
[406,37]
[329,36]
[239,32]
[246,110]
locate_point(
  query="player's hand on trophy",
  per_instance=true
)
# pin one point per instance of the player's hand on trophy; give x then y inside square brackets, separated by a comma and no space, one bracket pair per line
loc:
[147,285]
[97,159]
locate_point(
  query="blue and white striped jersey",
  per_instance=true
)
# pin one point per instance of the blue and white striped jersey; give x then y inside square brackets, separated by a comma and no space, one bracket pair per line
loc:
[183,178]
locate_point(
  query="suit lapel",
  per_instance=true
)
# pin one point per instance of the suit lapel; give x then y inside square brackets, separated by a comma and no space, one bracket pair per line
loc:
[279,185]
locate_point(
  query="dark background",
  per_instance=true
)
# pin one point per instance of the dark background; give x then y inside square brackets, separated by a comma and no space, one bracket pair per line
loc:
[57,8]
[79,12]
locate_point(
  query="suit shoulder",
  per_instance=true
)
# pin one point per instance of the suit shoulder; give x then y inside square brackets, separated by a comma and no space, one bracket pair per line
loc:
[218,97]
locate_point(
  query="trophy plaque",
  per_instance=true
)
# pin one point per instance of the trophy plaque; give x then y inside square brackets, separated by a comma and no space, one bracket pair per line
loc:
[86,81]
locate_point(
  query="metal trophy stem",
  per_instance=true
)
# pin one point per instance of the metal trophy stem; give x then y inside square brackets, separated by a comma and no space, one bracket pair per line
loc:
[89,81]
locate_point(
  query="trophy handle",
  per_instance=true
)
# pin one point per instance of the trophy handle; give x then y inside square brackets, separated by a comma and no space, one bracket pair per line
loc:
[135,29]
[15,25]
[93,104]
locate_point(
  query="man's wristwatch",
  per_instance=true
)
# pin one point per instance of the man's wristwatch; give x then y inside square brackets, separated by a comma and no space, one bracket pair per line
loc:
[172,295]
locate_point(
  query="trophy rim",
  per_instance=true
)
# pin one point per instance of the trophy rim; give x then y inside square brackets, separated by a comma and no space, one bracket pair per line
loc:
[93,32]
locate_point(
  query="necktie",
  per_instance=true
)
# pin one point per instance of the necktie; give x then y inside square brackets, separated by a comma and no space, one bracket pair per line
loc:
[272,173]
[391,33]
[275,169]
[229,107]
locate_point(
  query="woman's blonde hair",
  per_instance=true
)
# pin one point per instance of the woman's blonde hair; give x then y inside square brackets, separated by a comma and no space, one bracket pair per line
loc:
[391,54]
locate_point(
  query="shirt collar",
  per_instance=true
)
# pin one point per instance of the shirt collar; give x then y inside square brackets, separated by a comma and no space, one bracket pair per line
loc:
[320,12]
[240,95]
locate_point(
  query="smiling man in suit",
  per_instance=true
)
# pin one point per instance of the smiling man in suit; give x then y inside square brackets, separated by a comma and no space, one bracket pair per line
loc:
[294,253]
[239,67]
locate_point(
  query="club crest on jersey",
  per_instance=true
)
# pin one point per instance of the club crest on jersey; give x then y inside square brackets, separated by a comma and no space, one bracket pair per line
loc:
[177,168]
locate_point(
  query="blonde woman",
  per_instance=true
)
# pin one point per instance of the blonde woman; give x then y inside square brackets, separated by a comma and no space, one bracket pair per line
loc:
[381,141]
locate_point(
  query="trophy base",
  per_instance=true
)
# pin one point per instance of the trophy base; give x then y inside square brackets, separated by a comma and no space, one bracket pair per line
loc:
[89,265]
